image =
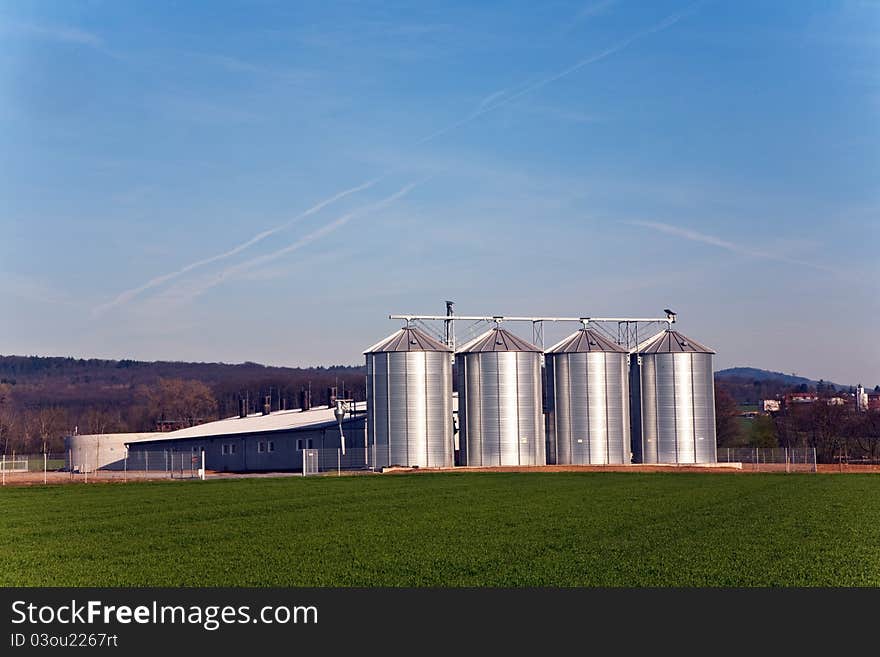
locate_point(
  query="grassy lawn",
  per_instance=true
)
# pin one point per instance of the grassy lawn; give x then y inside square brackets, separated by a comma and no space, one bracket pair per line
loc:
[36,464]
[457,529]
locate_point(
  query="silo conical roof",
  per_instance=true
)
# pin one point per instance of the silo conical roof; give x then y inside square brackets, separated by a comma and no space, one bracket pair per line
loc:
[670,342]
[497,339]
[585,340]
[407,339]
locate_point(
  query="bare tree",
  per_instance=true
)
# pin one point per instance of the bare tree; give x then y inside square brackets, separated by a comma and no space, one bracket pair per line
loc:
[863,430]
[51,422]
[727,425]
[182,403]
[7,416]
[99,420]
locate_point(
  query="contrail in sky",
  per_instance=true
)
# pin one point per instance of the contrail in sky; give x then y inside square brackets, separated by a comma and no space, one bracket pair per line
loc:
[667,22]
[490,103]
[337,223]
[694,236]
[128,295]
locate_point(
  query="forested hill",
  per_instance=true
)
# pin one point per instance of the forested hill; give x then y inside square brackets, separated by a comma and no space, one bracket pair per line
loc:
[749,385]
[756,374]
[98,372]
[126,395]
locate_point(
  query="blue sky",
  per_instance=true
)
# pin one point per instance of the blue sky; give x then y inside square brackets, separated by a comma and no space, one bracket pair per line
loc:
[267,181]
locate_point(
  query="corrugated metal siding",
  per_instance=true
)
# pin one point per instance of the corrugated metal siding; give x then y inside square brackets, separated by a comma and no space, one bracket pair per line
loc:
[500,408]
[410,403]
[667,448]
[490,411]
[650,441]
[678,408]
[617,394]
[590,408]
[597,412]
[438,412]
[563,415]
[704,408]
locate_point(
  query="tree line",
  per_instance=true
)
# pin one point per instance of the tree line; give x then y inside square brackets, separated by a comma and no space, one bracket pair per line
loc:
[44,399]
[836,431]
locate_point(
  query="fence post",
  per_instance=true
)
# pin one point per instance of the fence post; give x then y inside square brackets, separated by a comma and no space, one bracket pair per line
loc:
[45,466]
[125,466]
[4,468]
[815,469]
[338,462]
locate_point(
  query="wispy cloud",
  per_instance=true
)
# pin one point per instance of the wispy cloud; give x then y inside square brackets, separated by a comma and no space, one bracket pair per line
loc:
[61,33]
[199,110]
[489,99]
[591,9]
[666,23]
[128,295]
[490,103]
[27,288]
[563,114]
[238,65]
[236,270]
[733,247]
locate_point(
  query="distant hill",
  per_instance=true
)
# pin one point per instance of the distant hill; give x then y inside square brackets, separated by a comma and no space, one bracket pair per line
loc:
[755,374]
[748,385]
[75,383]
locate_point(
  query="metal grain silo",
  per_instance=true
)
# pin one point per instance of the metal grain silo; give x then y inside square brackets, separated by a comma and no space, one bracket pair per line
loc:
[673,400]
[499,401]
[588,400]
[409,400]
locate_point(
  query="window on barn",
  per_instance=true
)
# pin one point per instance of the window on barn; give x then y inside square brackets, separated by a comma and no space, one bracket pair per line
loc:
[224,449]
[261,447]
[299,443]
[271,446]
[310,443]
[232,448]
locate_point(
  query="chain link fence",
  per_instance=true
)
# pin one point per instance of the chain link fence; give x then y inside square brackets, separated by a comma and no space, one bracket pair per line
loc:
[134,464]
[770,459]
[31,467]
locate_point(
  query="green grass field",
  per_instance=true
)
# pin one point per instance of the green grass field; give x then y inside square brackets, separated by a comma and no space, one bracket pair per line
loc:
[37,465]
[458,529]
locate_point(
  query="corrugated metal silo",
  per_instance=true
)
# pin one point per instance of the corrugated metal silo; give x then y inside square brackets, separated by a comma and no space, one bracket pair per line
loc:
[499,405]
[588,400]
[673,401]
[409,400]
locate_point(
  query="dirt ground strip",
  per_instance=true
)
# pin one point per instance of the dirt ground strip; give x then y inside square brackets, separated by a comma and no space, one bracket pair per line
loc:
[36,478]
[103,477]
